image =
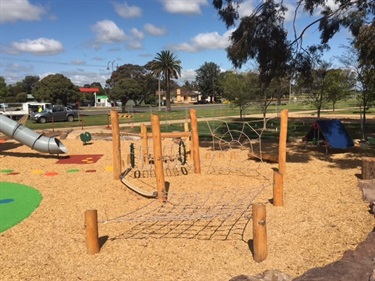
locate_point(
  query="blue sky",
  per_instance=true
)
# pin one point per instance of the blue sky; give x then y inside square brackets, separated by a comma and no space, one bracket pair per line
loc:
[81,38]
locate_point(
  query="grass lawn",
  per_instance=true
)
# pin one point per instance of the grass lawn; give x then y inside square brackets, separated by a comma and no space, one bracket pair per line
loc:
[296,128]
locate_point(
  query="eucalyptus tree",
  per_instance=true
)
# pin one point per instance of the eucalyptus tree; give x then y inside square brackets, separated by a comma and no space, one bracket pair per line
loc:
[340,84]
[3,89]
[29,82]
[207,79]
[365,46]
[360,58]
[132,74]
[167,65]
[314,86]
[241,89]
[261,35]
[57,89]
[125,89]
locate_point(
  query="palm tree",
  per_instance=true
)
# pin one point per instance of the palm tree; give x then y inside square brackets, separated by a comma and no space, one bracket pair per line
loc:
[166,63]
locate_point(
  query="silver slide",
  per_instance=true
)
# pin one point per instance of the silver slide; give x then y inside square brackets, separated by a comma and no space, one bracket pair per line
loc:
[30,138]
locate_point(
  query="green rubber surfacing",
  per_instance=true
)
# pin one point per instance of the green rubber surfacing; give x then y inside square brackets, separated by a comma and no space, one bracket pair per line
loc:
[17,202]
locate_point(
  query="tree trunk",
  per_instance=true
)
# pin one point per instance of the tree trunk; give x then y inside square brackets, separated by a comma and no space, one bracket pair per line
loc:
[368,168]
[168,94]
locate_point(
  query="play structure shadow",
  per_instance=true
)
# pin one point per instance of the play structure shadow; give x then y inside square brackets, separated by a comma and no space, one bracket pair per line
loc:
[30,155]
[103,240]
[8,146]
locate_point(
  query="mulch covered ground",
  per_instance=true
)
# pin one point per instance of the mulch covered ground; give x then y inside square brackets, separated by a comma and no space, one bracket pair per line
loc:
[204,232]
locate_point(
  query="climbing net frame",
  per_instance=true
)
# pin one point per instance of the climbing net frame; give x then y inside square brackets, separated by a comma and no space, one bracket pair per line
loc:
[204,216]
[190,215]
[230,140]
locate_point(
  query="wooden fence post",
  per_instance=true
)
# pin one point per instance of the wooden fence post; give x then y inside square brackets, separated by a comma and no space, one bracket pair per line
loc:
[116,145]
[144,138]
[195,141]
[259,232]
[158,158]
[278,196]
[91,225]
[282,140]
[188,146]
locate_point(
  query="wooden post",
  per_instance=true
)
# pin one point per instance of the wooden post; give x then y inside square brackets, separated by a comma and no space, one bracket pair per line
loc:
[188,146]
[282,140]
[144,143]
[158,158]
[116,145]
[278,195]
[195,141]
[259,232]
[92,238]
[368,168]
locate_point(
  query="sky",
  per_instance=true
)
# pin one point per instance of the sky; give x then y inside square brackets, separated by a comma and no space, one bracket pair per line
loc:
[86,39]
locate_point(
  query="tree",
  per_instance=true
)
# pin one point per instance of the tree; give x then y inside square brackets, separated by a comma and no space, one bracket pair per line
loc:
[276,89]
[125,90]
[241,89]
[3,89]
[365,51]
[339,83]
[262,36]
[315,87]
[140,74]
[57,89]
[207,79]
[29,83]
[166,64]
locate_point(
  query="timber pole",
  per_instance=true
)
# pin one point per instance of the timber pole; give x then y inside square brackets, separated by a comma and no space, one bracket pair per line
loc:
[158,158]
[195,141]
[282,140]
[92,238]
[116,145]
[259,232]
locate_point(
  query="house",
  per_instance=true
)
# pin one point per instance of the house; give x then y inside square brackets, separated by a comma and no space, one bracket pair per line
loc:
[186,96]
[180,97]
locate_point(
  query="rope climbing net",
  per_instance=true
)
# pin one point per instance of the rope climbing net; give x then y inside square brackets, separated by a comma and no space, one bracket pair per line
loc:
[229,142]
[202,215]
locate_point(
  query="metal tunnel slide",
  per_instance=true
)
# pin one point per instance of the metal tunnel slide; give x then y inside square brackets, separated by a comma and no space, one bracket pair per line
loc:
[30,138]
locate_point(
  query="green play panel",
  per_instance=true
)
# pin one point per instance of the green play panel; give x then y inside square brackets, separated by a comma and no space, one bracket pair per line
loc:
[17,202]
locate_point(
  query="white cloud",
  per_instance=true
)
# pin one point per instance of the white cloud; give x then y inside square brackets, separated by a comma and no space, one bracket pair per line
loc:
[187,75]
[78,62]
[107,32]
[15,10]
[246,8]
[126,11]
[289,15]
[135,45]
[205,41]
[183,6]
[40,46]
[137,34]
[154,30]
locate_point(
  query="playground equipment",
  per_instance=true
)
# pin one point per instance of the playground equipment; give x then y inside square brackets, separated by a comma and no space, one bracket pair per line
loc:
[85,137]
[157,158]
[330,133]
[30,138]
[198,215]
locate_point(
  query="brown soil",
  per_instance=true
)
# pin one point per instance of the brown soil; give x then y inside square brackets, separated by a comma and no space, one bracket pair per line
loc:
[323,215]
